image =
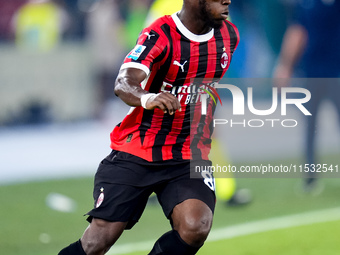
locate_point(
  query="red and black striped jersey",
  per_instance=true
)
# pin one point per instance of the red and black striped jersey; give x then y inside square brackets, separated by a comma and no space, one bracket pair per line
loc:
[175,61]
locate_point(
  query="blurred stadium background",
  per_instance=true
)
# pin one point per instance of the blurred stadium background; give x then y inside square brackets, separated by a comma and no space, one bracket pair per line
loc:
[58,61]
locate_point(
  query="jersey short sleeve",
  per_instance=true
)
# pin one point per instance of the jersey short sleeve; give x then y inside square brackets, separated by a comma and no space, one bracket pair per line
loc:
[150,48]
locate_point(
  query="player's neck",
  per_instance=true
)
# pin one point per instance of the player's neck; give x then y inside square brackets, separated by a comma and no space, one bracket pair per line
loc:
[194,25]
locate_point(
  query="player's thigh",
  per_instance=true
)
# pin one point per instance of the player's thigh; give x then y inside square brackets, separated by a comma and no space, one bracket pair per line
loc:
[187,199]
[118,203]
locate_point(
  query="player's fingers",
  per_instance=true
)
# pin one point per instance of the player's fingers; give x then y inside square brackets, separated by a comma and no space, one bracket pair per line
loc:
[169,106]
[164,101]
[171,102]
[155,101]
[176,104]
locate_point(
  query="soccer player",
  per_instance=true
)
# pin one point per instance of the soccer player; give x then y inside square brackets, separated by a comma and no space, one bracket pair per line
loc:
[165,133]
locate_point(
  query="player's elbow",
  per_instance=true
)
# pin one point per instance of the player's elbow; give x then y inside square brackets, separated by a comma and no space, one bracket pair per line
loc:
[118,88]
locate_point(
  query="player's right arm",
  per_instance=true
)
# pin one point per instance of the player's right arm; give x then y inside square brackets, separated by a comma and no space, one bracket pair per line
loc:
[128,89]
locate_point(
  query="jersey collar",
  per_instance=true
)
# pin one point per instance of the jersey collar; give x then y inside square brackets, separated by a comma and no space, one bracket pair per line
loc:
[191,36]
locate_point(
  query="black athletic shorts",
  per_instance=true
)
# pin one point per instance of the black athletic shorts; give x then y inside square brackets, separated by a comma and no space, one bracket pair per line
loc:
[124,182]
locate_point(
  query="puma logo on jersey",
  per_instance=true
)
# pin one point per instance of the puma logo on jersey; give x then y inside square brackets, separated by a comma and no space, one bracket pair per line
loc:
[148,35]
[180,65]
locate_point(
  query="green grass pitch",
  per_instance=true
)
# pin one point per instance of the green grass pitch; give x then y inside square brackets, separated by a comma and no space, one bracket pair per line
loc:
[29,227]
[306,240]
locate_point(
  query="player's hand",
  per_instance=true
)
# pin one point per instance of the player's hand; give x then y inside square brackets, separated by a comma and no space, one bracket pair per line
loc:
[167,102]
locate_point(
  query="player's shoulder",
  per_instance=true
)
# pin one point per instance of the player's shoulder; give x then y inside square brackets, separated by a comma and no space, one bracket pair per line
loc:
[230,30]
[159,30]
[161,23]
[229,25]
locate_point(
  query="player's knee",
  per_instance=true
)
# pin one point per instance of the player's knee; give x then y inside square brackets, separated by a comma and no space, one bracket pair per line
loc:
[194,230]
[100,236]
[96,246]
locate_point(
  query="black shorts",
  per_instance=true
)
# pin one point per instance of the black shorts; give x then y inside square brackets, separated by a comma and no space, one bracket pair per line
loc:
[124,182]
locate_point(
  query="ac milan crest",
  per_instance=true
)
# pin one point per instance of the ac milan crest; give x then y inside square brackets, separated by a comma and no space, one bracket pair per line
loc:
[224,60]
[100,198]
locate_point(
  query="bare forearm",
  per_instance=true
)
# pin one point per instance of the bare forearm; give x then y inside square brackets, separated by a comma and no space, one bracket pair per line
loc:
[293,45]
[129,92]
[127,87]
